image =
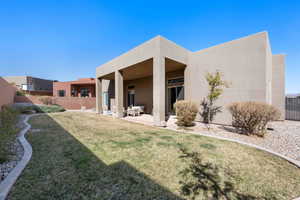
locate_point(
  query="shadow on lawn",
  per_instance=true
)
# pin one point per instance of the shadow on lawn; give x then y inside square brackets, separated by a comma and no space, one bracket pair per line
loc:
[63,168]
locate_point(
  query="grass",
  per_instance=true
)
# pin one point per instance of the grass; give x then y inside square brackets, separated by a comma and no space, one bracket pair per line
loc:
[87,156]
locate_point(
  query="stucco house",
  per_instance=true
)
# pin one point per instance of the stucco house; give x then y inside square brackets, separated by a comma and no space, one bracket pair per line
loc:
[158,72]
[31,85]
[83,87]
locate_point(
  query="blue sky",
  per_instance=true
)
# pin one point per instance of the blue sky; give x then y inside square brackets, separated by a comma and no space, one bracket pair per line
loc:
[64,40]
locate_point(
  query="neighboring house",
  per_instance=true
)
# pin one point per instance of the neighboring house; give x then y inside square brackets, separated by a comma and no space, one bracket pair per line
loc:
[83,87]
[7,93]
[158,72]
[31,85]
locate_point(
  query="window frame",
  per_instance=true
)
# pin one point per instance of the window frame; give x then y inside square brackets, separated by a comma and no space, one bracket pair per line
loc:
[63,94]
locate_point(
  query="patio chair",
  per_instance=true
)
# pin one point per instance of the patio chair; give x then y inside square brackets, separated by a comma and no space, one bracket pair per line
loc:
[135,110]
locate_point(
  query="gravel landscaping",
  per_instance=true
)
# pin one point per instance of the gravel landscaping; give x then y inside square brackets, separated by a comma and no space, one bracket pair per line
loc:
[16,153]
[15,149]
[284,139]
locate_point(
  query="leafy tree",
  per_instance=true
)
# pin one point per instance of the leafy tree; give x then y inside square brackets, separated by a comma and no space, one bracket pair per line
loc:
[215,86]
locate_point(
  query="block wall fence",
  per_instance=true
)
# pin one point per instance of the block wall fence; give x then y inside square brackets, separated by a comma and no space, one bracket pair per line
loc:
[70,103]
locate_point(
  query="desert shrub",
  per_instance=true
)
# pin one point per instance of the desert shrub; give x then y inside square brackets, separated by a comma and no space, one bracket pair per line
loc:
[46,100]
[20,93]
[51,109]
[29,109]
[8,117]
[40,109]
[253,117]
[216,85]
[186,112]
[8,130]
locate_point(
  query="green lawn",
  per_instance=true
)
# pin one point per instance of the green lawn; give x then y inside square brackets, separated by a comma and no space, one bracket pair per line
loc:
[88,156]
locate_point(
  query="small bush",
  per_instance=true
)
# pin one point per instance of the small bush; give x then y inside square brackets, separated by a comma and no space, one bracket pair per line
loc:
[46,100]
[186,112]
[253,117]
[29,109]
[40,109]
[8,117]
[20,93]
[52,108]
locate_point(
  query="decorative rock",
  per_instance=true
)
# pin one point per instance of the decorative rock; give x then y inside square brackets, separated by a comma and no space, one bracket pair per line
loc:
[12,172]
[16,150]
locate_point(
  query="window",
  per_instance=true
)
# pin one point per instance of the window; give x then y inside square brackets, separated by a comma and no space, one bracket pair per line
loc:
[105,98]
[61,93]
[176,81]
[174,94]
[84,92]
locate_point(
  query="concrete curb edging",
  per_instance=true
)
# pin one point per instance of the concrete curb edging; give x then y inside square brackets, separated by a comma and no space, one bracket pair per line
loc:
[11,178]
[293,161]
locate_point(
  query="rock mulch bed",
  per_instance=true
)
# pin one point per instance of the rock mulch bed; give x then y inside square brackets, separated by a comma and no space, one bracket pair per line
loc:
[284,139]
[16,153]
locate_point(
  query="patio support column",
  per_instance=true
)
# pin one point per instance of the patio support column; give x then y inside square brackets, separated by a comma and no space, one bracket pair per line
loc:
[99,96]
[159,79]
[119,94]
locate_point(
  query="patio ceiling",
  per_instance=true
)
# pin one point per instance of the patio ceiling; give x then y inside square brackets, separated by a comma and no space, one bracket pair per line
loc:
[145,69]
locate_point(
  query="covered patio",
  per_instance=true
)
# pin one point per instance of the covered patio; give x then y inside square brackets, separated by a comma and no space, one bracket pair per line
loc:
[83,90]
[152,76]
[137,86]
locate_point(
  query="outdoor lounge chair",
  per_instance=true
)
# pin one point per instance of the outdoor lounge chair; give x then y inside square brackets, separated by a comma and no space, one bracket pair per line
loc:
[135,110]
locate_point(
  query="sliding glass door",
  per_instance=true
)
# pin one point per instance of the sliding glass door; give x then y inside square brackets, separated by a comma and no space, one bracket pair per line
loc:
[175,93]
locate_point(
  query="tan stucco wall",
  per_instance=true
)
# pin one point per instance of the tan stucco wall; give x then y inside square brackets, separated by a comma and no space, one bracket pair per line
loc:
[108,86]
[7,93]
[157,46]
[278,83]
[246,63]
[143,92]
[243,64]
[269,74]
